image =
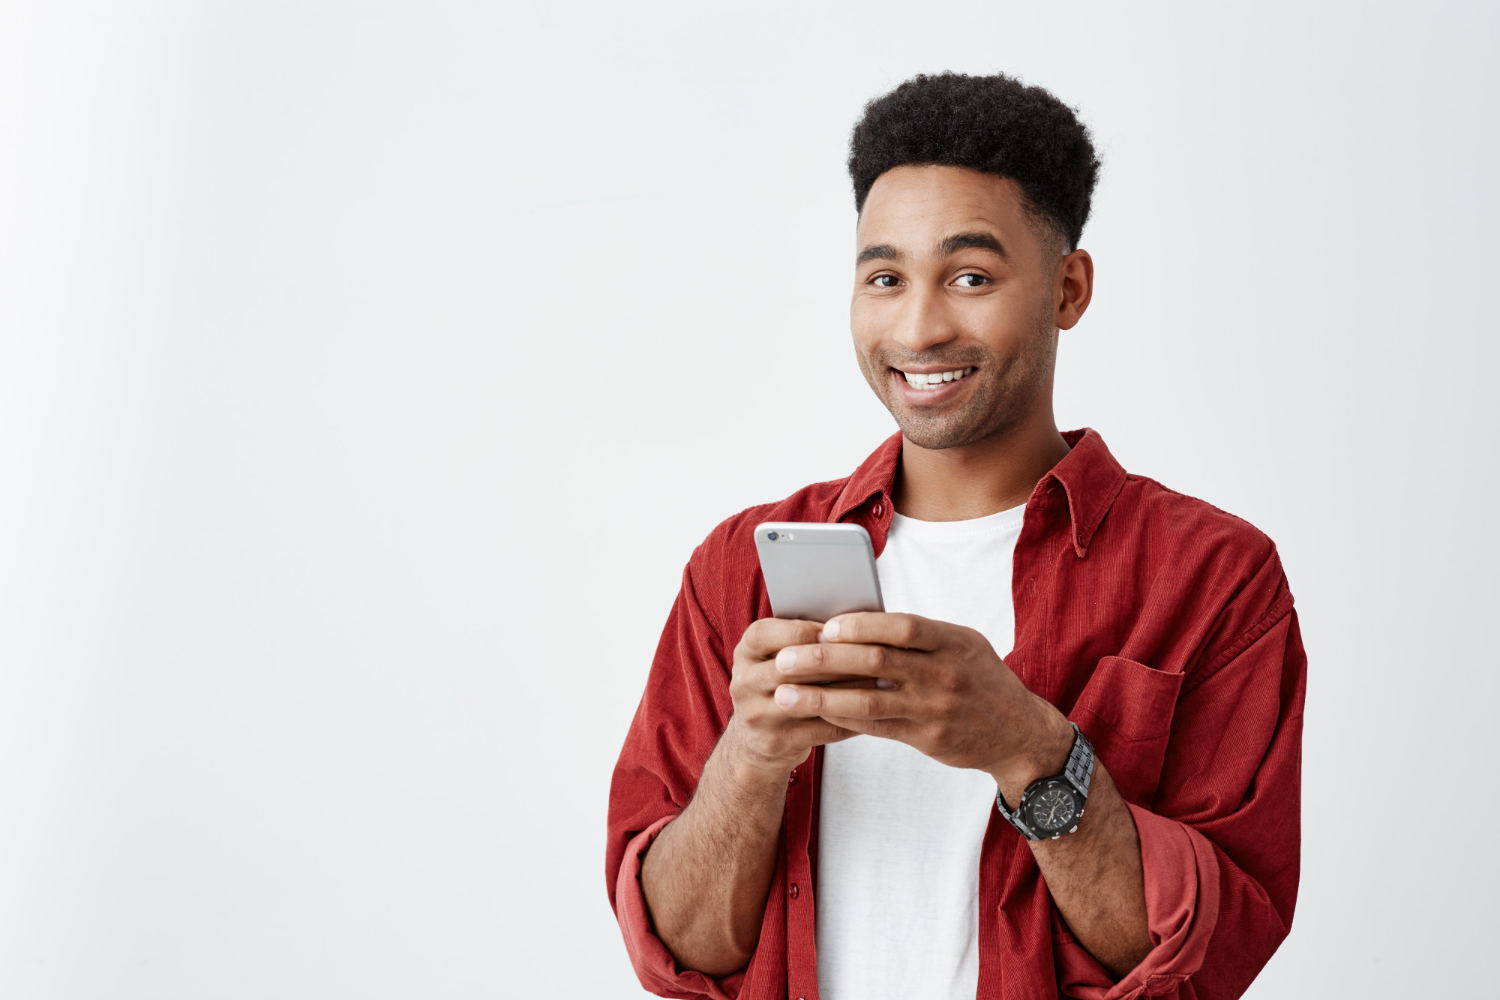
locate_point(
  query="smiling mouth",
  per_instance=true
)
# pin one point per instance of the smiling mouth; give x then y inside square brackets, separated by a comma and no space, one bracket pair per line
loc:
[928,381]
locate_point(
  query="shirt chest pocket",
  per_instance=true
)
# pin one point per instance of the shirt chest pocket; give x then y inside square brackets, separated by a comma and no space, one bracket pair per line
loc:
[1126,712]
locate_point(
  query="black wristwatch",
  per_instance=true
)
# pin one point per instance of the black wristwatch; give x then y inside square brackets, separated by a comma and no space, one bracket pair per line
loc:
[1051,807]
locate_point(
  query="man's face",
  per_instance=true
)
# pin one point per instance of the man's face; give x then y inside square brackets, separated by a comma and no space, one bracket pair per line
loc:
[954,278]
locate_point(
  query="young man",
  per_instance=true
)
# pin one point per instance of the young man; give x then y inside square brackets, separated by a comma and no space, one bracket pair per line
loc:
[884,806]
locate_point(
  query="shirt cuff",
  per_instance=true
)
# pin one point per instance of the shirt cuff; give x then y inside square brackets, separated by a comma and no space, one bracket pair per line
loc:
[1182,907]
[654,965]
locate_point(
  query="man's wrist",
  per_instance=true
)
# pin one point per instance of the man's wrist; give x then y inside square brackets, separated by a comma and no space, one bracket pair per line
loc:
[749,766]
[1042,755]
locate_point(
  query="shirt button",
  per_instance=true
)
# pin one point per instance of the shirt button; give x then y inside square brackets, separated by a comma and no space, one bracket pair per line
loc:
[792,778]
[879,509]
[794,890]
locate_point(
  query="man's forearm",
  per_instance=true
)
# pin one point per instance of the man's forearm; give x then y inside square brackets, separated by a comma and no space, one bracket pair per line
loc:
[707,874]
[1096,879]
[1094,875]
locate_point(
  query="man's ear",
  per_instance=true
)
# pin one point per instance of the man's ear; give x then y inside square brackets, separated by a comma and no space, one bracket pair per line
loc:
[1075,288]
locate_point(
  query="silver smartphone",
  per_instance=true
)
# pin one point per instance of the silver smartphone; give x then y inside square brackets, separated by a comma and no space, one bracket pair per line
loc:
[814,571]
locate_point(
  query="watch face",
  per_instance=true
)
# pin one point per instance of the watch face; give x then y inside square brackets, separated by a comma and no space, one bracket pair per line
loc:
[1053,809]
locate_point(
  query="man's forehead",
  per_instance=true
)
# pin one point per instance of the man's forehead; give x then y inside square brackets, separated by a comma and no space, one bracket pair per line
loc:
[920,210]
[916,208]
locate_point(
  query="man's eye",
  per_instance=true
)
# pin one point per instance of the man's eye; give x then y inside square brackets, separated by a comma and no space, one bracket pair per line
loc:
[970,280]
[884,281]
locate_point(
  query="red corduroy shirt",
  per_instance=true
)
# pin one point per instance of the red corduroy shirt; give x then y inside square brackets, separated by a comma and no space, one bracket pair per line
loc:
[1160,624]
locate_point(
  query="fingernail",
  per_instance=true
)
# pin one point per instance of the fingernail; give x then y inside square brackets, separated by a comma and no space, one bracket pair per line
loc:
[786,659]
[884,683]
[831,629]
[786,696]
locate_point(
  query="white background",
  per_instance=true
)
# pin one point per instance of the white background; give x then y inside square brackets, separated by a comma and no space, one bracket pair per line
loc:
[368,372]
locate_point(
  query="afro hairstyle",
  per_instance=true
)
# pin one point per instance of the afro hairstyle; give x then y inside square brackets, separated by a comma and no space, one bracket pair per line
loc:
[993,124]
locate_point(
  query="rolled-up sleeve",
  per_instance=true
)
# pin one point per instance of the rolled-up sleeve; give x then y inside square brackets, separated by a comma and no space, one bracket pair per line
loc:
[680,717]
[1221,841]
[654,965]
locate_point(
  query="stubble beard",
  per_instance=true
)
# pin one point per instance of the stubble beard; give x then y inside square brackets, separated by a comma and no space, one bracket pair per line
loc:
[1006,391]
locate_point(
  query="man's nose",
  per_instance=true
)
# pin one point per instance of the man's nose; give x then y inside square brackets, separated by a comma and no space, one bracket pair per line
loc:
[925,321]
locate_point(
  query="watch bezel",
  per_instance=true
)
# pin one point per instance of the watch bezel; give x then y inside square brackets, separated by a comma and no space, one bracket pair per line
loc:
[1035,791]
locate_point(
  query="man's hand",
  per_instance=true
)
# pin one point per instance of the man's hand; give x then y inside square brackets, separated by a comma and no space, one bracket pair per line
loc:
[942,689]
[762,734]
[707,874]
[938,687]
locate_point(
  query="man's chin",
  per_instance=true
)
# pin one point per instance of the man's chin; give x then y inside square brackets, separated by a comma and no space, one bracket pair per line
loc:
[935,435]
[950,427]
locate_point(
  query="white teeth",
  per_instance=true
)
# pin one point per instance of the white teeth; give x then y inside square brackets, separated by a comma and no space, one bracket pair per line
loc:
[924,380]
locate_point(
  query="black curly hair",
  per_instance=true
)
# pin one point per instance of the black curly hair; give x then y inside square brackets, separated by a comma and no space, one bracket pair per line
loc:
[993,124]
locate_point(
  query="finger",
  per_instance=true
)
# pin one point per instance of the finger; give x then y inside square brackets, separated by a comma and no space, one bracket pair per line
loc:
[806,701]
[764,637]
[861,682]
[888,629]
[823,662]
[821,732]
[762,677]
[890,729]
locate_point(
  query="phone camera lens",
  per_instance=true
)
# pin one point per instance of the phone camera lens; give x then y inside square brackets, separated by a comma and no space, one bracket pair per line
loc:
[772,536]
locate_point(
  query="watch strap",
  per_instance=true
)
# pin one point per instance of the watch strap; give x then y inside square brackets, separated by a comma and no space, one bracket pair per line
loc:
[1079,770]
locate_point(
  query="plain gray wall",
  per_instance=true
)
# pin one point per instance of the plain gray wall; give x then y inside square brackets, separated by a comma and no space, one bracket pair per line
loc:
[368,372]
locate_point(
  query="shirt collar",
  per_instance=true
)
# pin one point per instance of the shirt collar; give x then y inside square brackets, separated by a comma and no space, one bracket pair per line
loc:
[1088,479]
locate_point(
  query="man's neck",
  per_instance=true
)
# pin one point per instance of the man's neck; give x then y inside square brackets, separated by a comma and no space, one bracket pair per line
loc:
[975,480]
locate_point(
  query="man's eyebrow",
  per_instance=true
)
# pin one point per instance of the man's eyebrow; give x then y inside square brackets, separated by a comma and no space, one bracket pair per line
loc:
[971,241]
[878,251]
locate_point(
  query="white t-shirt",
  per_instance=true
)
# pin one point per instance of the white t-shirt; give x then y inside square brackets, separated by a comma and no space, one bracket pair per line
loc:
[899,834]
